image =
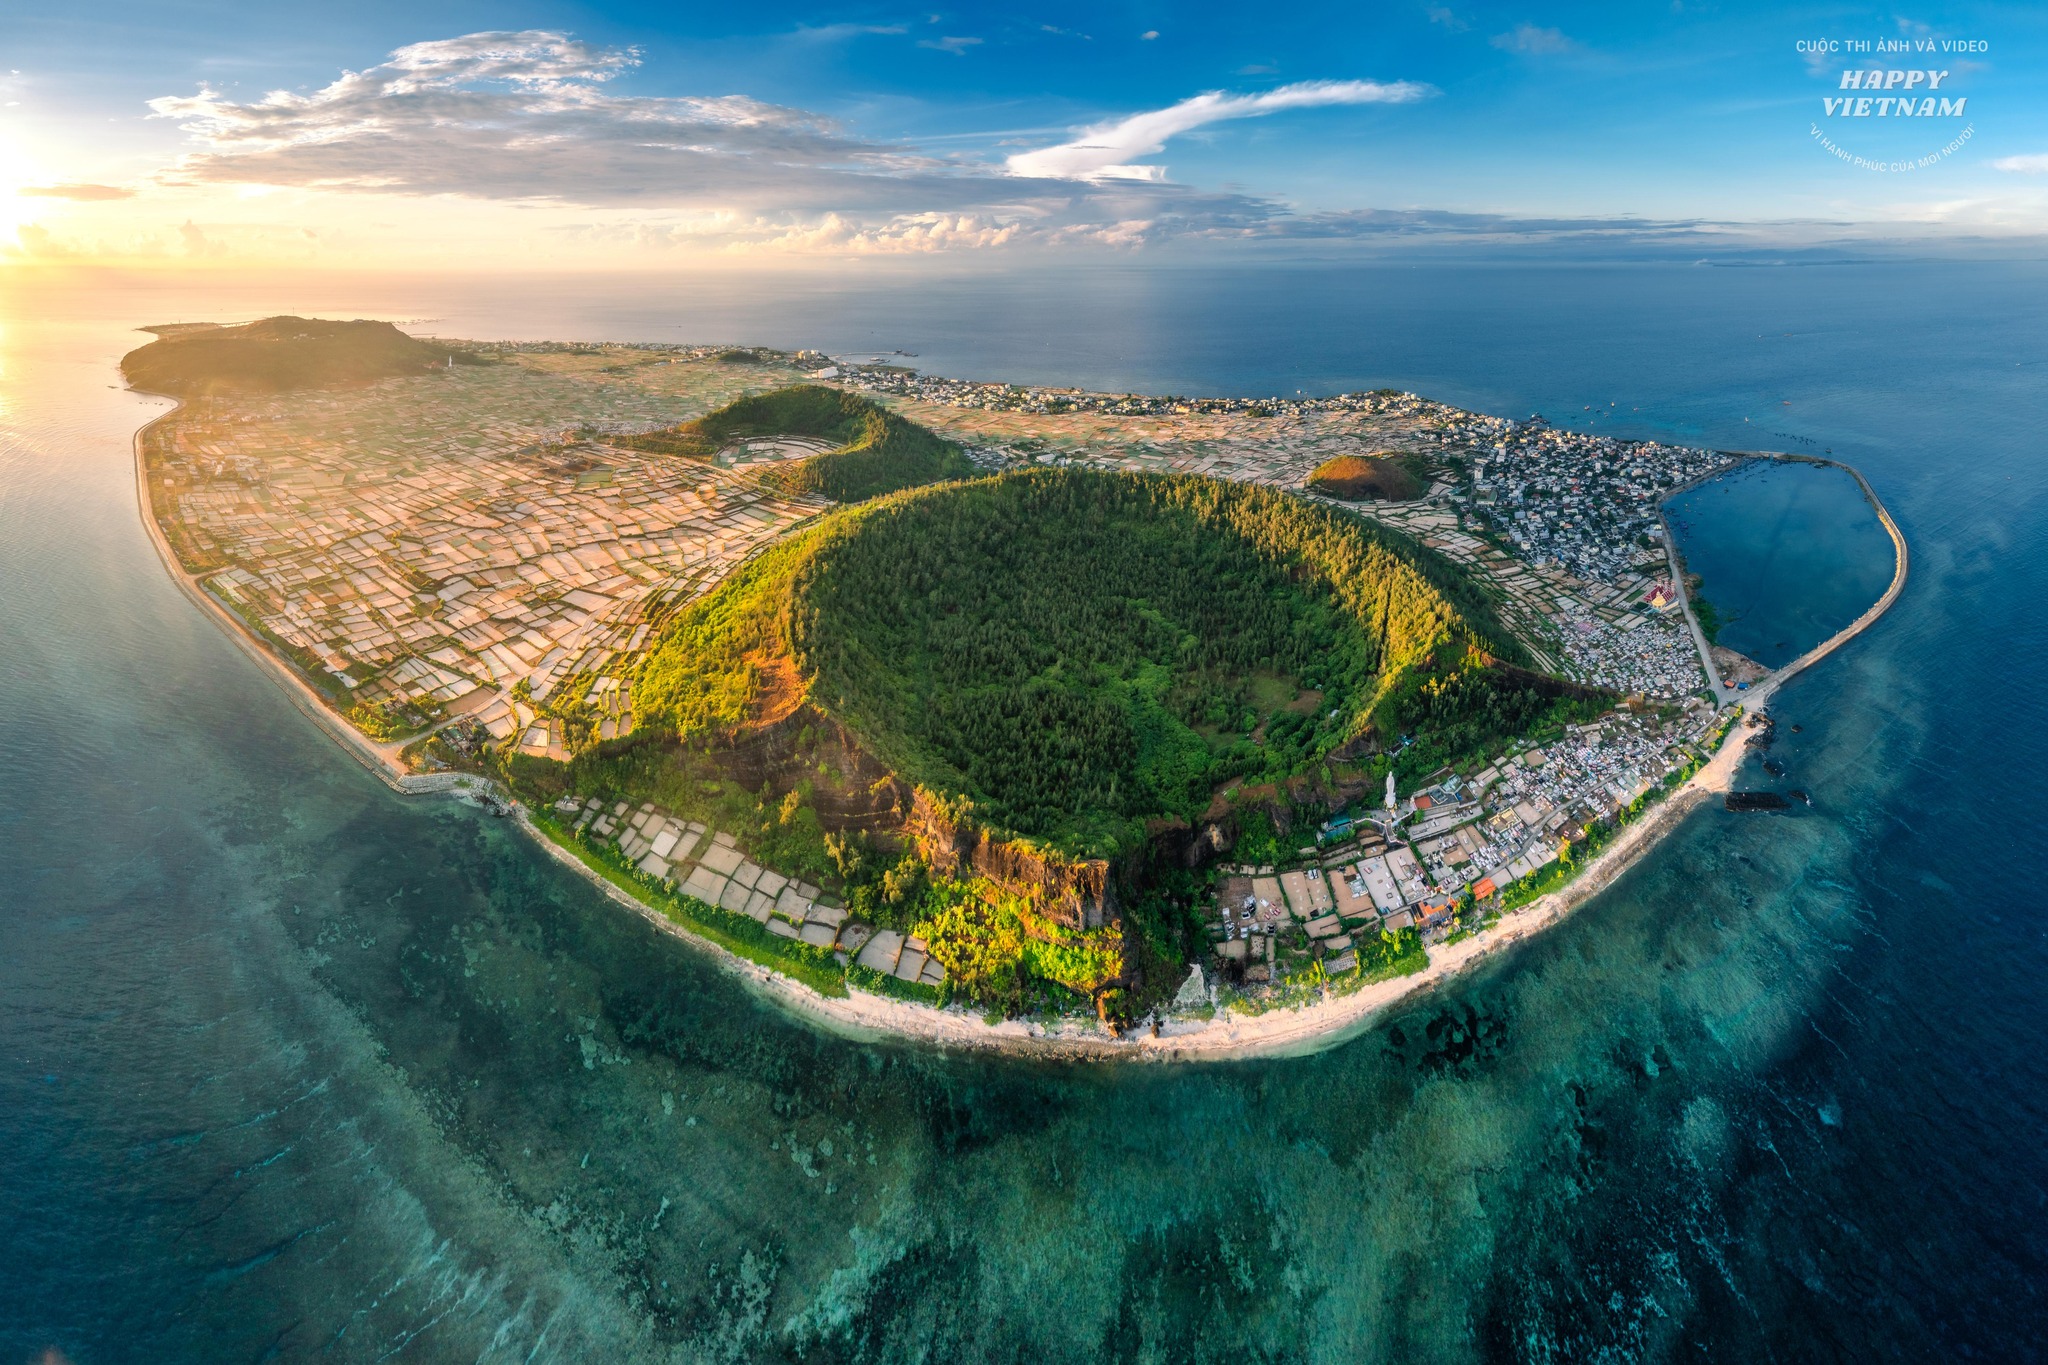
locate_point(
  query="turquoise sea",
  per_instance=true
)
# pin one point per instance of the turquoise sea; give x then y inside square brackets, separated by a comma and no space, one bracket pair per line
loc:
[292,1068]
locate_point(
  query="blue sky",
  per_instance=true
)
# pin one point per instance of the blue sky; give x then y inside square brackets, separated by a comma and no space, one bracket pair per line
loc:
[800,129]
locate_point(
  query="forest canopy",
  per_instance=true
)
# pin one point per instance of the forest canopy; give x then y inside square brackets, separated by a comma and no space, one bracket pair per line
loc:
[281,353]
[876,452]
[1075,653]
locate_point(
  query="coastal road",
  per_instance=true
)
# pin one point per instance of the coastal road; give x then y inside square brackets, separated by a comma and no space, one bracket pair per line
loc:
[1722,694]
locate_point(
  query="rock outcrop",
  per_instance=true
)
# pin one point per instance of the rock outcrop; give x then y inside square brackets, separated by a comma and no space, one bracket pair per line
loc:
[1077,893]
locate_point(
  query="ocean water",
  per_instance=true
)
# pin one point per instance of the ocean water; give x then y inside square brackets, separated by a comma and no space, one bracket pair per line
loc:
[1787,554]
[293,1068]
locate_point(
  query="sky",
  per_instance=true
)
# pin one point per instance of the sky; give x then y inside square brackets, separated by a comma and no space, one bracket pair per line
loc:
[181,135]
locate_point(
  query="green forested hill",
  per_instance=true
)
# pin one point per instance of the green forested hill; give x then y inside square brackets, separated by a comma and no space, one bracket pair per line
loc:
[1077,652]
[878,452]
[281,353]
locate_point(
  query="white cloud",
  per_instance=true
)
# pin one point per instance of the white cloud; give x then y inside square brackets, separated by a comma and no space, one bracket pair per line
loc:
[197,243]
[1104,152]
[527,116]
[537,120]
[80,192]
[957,46]
[906,234]
[1531,41]
[832,33]
[2036,164]
[35,240]
[531,117]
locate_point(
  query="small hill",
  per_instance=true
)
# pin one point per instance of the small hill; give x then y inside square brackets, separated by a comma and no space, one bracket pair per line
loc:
[877,451]
[1384,477]
[1067,655]
[280,353]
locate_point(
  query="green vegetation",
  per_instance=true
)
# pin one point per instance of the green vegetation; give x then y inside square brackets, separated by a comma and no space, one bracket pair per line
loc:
[282,353]
[783,832]
[378,722]
[882,983]
[1381,957]
[1258,841]
[1384,477]
[1452,717]
[739,934]
[998,952]
[1539,883]
[1710,618]
[877,451]
[1384,956]
[1058,658]
[718,658]
[995,947]
[1074,653]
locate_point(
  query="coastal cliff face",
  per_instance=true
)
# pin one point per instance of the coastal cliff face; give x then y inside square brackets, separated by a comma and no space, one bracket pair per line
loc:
[1173,842]
[848,787]
[1076,893]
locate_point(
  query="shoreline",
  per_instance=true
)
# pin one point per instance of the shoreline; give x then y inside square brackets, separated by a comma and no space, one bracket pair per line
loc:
[1292,1031]
[380,759]
[1287,1031]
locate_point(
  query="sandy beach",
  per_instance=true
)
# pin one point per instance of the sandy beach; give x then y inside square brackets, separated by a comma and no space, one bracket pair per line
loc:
[1302,1029]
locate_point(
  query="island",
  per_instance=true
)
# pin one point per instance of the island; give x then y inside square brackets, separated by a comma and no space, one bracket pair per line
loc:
[992,714]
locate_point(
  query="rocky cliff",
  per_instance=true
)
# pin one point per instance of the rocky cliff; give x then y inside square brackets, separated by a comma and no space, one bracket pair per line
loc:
[1077,893]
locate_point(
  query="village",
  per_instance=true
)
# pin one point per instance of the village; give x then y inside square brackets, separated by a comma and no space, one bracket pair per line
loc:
[1445,859]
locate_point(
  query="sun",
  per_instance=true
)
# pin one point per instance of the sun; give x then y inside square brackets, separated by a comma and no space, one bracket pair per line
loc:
[17,171]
